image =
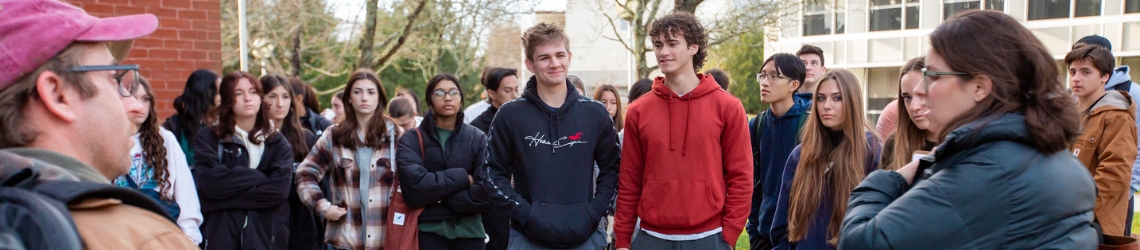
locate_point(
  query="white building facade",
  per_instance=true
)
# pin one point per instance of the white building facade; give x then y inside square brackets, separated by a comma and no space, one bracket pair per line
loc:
[874,38]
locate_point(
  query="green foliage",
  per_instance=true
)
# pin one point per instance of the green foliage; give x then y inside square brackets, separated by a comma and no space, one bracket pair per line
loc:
[741,58]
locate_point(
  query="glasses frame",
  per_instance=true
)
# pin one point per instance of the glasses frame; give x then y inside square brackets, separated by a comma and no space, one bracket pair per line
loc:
[761,77]
[124,91]
[926,74]
[437,97]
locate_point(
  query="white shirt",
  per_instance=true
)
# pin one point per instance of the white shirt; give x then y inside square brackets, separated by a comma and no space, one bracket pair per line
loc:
[475,110]
[255,150]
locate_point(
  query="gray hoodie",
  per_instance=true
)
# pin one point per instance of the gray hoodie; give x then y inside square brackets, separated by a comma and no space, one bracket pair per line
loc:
[1120,76]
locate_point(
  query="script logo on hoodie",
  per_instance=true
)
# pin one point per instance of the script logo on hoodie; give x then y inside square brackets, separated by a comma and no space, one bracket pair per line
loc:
[566,141]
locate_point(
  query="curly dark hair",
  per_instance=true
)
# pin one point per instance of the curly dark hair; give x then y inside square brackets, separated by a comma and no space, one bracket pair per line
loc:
[154,149]
[686,25]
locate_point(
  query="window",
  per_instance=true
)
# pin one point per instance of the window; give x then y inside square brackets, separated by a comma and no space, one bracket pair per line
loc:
[1132,6]
[894,14]
[951,7]
[1050,9]
[821,20]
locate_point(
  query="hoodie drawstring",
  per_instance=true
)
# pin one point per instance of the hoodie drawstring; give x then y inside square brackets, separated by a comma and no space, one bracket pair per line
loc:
[669,106]
[688,107]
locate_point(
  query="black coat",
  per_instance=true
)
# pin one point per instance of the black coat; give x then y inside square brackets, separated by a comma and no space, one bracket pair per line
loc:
[986,188]
[439,181]
[306,228]
[244,208]
[315,122]
[483,121]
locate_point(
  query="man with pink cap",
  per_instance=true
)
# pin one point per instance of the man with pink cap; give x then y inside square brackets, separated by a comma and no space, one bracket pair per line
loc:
[63,103]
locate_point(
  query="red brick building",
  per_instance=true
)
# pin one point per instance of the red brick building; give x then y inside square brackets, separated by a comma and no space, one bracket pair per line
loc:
[188,38]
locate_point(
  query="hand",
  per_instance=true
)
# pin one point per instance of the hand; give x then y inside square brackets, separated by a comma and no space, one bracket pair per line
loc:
[909,171]
[334,213]
[623,248]
[471,180]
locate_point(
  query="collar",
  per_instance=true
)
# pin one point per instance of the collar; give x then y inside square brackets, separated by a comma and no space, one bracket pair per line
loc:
[71,165]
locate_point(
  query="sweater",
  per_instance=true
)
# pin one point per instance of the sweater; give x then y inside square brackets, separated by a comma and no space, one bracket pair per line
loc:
[687,164]
[550,154]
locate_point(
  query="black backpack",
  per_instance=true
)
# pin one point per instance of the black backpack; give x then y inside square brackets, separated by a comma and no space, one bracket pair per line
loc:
[34,215]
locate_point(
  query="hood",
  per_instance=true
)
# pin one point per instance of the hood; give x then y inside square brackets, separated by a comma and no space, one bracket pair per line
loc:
[1113,100]
[802,104]
[530,95]
[1119,76]
[12,162]
[677,104]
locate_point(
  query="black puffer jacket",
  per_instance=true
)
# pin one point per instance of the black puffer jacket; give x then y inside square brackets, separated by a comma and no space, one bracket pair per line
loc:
[439,182]
[244,208]
[986,188]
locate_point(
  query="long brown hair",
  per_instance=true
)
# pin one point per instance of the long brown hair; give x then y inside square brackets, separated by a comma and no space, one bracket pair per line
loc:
[907,136]
[345,133]
[841,166]
[153,146]
[226,122]
[618,117]
[1023,73]
[291,126]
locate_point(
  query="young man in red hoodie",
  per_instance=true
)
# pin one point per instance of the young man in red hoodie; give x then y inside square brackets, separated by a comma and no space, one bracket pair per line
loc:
[686,166]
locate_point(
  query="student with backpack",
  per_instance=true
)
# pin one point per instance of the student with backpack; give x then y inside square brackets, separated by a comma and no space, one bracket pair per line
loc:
[773,134]
[244,171]
[158,167]
[439,165]
[839,148]
[357,157]
[64,132]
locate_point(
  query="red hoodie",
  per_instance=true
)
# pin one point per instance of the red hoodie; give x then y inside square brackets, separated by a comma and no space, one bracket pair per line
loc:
[686,165]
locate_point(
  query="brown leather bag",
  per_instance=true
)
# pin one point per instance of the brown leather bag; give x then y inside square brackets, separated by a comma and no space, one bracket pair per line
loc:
[402,232]
[1119,243]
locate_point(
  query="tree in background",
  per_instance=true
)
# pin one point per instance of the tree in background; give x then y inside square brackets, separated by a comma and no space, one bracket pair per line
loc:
[741,58]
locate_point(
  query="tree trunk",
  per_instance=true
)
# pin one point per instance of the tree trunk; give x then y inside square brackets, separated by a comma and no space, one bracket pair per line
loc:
[686,5]
[403,35]
[295,60]
[367,39]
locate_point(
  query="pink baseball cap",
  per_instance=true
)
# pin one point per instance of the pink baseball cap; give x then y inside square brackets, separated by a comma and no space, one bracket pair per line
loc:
[34,31]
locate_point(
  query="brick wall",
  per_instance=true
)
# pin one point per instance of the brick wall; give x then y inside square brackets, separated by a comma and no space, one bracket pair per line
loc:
[188,38]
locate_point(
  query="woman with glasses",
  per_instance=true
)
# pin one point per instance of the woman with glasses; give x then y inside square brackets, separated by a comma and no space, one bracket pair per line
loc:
[357,156]
[158,167]
[839,148]
[243,172]
[773,135]
[912,132]
[195,109]
[443,178]
[1002,177]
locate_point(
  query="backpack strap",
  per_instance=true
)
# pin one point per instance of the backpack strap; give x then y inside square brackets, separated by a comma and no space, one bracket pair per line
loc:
[421,137]
[800,126]
[71,192]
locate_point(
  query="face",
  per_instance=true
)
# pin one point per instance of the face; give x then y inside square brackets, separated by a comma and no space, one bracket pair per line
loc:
[217,95]
[508,91]
[674,55]
[139,116]
[915,108]
[829,105]
[814,66]
[364,97]
[611,102]
[279,102]
[338,107]
[247,99]
[445,99]
[1085,80]
[551,60]
[103,119]
[775,87]
[946,95]
[407,122]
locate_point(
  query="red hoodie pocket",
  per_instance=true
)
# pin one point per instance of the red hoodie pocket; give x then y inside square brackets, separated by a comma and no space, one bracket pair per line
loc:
[676,203]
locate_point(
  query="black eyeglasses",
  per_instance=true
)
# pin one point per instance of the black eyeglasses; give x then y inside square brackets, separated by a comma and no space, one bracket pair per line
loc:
[126,89]
[931,76]
[439,94]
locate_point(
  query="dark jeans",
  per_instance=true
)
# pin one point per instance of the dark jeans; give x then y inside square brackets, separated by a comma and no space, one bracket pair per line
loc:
[497,224]
[712,242]
[434,241]
[1131,212]
[520,242]
[759,242]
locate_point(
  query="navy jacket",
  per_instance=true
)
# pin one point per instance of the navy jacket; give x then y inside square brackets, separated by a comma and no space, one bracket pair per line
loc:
[817,234]
[483,121]
[550,154]
[244,208]
[438,181]
[985,187]
[781,134]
